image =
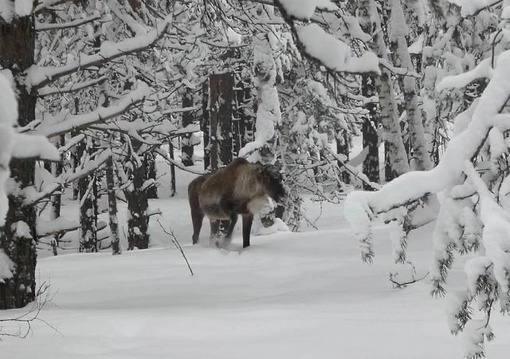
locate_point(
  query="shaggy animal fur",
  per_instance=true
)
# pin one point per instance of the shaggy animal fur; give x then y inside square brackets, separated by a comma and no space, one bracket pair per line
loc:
[241,188]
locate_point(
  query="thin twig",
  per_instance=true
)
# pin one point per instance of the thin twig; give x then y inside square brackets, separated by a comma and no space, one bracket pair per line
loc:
[32,315]
[176,244]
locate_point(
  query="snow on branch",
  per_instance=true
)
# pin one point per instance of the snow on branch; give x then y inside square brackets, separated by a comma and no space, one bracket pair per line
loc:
[39,76]
[333,53]
[72,122]
[53,90]
[318,45]
[496,231]
[482,70]
[361,206]
[59,26]
[34,147]
[32,195]
[473,7]
[57,225]
[44,4]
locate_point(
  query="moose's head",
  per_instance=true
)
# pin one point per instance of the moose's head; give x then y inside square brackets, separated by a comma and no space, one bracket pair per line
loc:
[274,180]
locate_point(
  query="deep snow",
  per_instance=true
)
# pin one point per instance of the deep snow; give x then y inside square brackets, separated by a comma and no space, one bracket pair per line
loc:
[290,295]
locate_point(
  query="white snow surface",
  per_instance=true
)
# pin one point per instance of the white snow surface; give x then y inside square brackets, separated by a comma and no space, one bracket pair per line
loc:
[290,295]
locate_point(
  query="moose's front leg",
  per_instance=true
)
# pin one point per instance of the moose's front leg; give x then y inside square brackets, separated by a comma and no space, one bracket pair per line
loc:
[247,222]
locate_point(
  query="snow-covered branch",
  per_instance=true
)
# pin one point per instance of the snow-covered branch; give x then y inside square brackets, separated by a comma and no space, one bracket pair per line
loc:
[360,207]
[72,122]
[34,147]
[32,195]
[44,4]
[59,26]
[53,90]
[38,76]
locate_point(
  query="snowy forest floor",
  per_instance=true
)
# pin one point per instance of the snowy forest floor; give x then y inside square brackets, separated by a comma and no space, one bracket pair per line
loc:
[290,295]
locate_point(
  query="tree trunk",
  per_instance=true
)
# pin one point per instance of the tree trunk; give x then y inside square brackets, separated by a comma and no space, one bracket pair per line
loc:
[244,116]
[369,132]
[205,125]
[173,187]
[18,236]
[112,207]
[150,163]
[395,153]
[87,188]
[187,119]
[221,96]
[56,199]
[138,203]
[420,158]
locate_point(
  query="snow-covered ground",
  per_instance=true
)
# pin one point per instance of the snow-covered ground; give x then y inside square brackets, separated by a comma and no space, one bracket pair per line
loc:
[290,295]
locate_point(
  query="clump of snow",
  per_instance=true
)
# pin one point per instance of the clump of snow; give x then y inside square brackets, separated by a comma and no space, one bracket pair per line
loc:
[304,9]
[35,147]
[233,37]
[21,230]
[6,10]
[8,117]
[6,266]
[23,7]
[334,53]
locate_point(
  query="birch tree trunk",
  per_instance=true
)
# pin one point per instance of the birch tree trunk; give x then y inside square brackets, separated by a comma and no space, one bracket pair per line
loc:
[420,159]
[396,157]
[87,188]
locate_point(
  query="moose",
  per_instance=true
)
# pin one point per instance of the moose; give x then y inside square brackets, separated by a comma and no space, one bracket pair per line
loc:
[241,188]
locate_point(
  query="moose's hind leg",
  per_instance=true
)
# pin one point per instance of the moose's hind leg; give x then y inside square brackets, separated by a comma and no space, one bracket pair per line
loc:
[197,217]
[215,233]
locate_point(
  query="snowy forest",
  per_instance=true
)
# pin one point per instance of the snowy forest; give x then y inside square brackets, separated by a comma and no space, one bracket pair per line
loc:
[372,140]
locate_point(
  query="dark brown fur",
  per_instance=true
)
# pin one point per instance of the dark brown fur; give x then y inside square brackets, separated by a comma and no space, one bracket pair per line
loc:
[237,189]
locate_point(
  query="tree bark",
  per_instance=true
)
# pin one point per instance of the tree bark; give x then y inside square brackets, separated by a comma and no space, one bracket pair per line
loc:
[420,158]
[221,95]
[17,44]
[87,188]
[112,207]
[173,186]
[395,153]
[370,136]
[138,203]
[187,119]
